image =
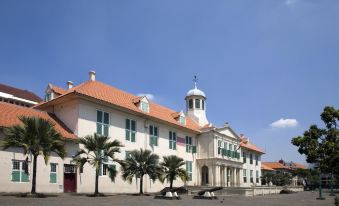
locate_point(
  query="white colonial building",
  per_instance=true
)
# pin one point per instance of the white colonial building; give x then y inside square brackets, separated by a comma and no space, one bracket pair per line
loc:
[214,156]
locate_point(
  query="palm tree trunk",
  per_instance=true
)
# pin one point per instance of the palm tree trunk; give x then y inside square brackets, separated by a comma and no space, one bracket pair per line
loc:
[35,158]
[141,184]
[96,192]
[171,183]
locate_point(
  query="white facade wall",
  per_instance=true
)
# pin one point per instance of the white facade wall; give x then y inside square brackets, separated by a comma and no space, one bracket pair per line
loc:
[87,126]
[248,167]
[43,171]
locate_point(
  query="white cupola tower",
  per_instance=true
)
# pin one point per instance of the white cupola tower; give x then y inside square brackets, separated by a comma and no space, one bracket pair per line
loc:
[196,105]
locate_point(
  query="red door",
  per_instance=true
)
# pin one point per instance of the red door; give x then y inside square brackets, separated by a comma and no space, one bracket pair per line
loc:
[69,178]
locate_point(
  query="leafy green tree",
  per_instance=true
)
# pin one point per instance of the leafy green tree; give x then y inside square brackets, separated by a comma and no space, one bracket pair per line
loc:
[96,150]
[172,168]
[321,145]
[278,179]
[36,136]
[139,163]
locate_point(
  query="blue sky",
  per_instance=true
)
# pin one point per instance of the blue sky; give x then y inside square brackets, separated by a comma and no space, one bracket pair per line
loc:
[257,61]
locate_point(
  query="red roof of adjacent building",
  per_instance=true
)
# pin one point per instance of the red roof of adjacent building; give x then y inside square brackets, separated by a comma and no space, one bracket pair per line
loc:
[275,165]
[265,167]
[246,144]
[23,94]
[299,166]
[10,113]
[112,95]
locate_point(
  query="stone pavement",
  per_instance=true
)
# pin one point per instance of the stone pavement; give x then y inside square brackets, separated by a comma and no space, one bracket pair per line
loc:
[298,199]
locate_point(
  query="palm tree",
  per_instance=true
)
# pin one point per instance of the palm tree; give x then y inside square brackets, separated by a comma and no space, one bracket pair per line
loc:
[172,168]
[97,150]
[139,163]
[35,136]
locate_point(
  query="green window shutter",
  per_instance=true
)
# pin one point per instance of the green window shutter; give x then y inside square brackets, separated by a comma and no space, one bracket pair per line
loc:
[127,136]
[99,116]
[53,178]
[194,149]
[99,128]
[133,136]
[24,177]
[106,118]
[15,176]
[100,170]
[106,130]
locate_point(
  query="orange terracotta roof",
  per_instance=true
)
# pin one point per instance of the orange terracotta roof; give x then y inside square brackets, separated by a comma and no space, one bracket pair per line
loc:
[299,166]
[275,165]
[112,95]
[265,167]
[246,144]
[10,113]
[58,90]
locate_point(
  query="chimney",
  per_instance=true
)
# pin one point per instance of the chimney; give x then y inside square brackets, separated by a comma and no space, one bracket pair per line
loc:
[226,124]
[69,85]
[92,75]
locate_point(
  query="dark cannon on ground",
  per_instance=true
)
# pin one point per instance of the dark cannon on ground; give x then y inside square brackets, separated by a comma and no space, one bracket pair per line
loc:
[170,194]
[208,193]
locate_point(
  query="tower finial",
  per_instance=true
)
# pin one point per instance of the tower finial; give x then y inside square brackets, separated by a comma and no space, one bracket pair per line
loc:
[195,80]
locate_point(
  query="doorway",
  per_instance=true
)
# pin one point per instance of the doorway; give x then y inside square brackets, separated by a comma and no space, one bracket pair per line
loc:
[69,178]
[204,175]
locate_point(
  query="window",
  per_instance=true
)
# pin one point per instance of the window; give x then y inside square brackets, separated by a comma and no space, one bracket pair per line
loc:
[189,144]
[130,130]
[235,147]
[244,157]
[127,154]
[225,145]
[102,123]
[48,97]
[230,147]
[20,171]
[53,173]
[153,135]
[257,176]
[251,158]
[245,175]
[182,120]
[144,106]
[197,103]
[219,146]
[189,170]
[172,140]
[251,176]
[202,104]
[256,159]
[190,104]
[103,170]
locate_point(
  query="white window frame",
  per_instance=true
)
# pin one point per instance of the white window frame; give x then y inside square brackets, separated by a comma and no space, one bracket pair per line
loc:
[20,170]
[189,145]
[172,140]
[103,124]
[144,106]
[129,130]
[54,172]
[153,136]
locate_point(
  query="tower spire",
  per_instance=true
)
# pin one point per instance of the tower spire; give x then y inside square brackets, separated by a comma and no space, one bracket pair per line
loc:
[195,80]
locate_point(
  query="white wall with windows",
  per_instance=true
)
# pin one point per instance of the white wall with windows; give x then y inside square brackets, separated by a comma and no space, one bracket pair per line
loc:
[252,165]
[134,132]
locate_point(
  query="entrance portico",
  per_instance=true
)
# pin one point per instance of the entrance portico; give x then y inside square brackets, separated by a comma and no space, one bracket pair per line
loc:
[216,172]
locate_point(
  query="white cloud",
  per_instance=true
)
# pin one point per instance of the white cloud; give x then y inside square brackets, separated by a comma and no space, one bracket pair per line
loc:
[284,123]
[149,96]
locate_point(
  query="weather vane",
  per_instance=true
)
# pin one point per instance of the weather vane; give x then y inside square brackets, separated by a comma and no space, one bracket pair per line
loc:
[195,80]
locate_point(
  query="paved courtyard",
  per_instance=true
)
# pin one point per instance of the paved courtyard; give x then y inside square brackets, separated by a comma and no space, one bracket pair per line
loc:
[299,199]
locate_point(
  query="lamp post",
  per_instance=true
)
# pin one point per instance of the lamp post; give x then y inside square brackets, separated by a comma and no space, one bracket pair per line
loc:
[320,188]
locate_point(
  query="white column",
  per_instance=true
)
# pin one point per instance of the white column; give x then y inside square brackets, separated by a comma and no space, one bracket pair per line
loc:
[217,173]
[210,175]
[234,177]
